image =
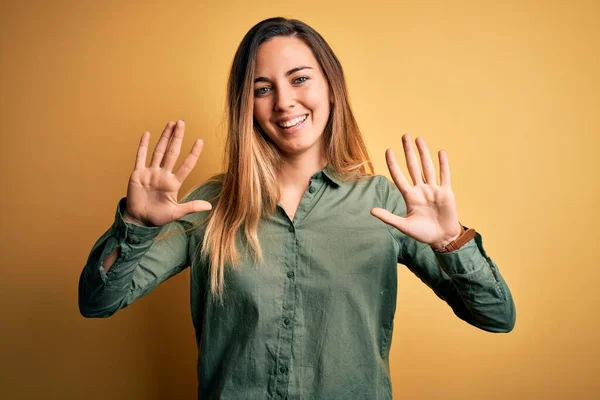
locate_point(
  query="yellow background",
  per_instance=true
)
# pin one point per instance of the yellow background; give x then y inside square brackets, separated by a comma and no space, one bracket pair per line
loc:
[510,90]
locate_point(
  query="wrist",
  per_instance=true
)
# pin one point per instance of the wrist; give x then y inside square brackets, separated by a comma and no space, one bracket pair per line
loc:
[441,245]
[131,220]
[463,238]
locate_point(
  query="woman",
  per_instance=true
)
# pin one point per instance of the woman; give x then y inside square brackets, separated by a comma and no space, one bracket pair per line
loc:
[293,279]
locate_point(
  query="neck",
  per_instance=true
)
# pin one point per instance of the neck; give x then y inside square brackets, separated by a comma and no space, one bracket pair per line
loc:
[297,170]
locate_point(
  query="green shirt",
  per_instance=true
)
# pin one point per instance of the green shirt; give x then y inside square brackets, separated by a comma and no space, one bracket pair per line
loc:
[315,320]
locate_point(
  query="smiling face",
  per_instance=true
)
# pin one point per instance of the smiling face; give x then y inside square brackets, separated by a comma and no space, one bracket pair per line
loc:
[291,96]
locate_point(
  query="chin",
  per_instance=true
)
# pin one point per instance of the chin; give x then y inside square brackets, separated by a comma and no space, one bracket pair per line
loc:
[296,147]
[297,143]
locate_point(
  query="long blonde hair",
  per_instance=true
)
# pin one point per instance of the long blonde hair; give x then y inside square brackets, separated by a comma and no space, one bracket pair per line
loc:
[249,189]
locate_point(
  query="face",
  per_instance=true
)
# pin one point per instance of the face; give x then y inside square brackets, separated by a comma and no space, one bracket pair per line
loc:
[291,96]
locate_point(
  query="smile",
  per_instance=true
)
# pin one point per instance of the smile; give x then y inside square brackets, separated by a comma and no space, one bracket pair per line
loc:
[292,122]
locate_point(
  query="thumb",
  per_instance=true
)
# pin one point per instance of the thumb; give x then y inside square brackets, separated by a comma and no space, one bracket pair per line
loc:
[389,218]
[191,207]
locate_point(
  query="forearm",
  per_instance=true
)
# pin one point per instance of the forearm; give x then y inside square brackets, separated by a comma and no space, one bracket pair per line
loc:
[468,280]
[110,259]
[114,255]
[479,294]
[118,269]
[484,293]
[108,280]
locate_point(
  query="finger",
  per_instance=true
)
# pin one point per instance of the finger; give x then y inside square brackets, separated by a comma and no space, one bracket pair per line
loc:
[191,207]
[161,146]
[426,161]
[389,218]
[140,159]
[414,169]
[444,168]
[190,161]
[395,171]
[174,146]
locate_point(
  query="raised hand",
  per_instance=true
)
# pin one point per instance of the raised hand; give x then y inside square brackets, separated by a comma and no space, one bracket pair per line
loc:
[152,191]
[431,215]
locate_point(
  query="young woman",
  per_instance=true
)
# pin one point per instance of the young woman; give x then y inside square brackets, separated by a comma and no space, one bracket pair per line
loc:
[294,249]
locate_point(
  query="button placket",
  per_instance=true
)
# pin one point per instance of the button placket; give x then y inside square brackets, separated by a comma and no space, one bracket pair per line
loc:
[309,198]
[284,356]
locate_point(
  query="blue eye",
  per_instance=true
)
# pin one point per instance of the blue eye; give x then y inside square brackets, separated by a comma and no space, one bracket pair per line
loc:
[261,91]
[301,79]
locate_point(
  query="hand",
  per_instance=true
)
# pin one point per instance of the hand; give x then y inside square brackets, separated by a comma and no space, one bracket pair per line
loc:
[152,191]
[431,215]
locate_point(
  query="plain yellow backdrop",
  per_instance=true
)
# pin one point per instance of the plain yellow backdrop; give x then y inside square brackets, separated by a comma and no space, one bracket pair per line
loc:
[509,89]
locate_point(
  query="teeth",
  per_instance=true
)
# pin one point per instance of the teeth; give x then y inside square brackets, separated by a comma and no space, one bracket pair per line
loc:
[292,122]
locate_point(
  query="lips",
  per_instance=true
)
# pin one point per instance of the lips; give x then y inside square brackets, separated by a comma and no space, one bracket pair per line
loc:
[291,127]
[290,123]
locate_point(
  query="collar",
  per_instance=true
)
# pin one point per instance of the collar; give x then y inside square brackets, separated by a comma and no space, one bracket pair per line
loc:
[331,175]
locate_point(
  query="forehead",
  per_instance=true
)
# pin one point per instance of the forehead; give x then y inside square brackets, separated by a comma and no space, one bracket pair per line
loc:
[283,53]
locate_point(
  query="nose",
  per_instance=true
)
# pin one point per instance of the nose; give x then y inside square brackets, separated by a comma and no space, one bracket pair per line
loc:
[285,98]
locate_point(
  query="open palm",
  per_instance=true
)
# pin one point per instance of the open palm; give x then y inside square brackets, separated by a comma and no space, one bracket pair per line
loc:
[152,191]
[431,213]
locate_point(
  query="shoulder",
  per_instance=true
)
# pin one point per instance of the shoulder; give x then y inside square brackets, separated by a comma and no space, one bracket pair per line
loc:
[389,195]
[379,188]
[365,180]
[380,183]
[208,190]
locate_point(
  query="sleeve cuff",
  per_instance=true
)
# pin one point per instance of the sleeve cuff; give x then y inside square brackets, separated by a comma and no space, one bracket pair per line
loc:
[465,260]
[131,233]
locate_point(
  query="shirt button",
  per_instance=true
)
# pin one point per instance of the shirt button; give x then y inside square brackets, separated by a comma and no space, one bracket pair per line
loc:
[290,274]
[291,229]
[282,370]
[286,322]
[312,189]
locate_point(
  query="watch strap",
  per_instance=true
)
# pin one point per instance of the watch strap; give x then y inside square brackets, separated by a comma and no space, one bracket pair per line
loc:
[464,238]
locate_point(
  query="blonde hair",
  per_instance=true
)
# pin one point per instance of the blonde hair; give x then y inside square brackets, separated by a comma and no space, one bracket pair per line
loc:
[249,189]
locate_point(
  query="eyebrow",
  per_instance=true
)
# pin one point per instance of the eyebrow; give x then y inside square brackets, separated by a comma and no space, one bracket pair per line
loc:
[291,71]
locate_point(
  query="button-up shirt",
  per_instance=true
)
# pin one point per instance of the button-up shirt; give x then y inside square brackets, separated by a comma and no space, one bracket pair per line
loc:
[314,320]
